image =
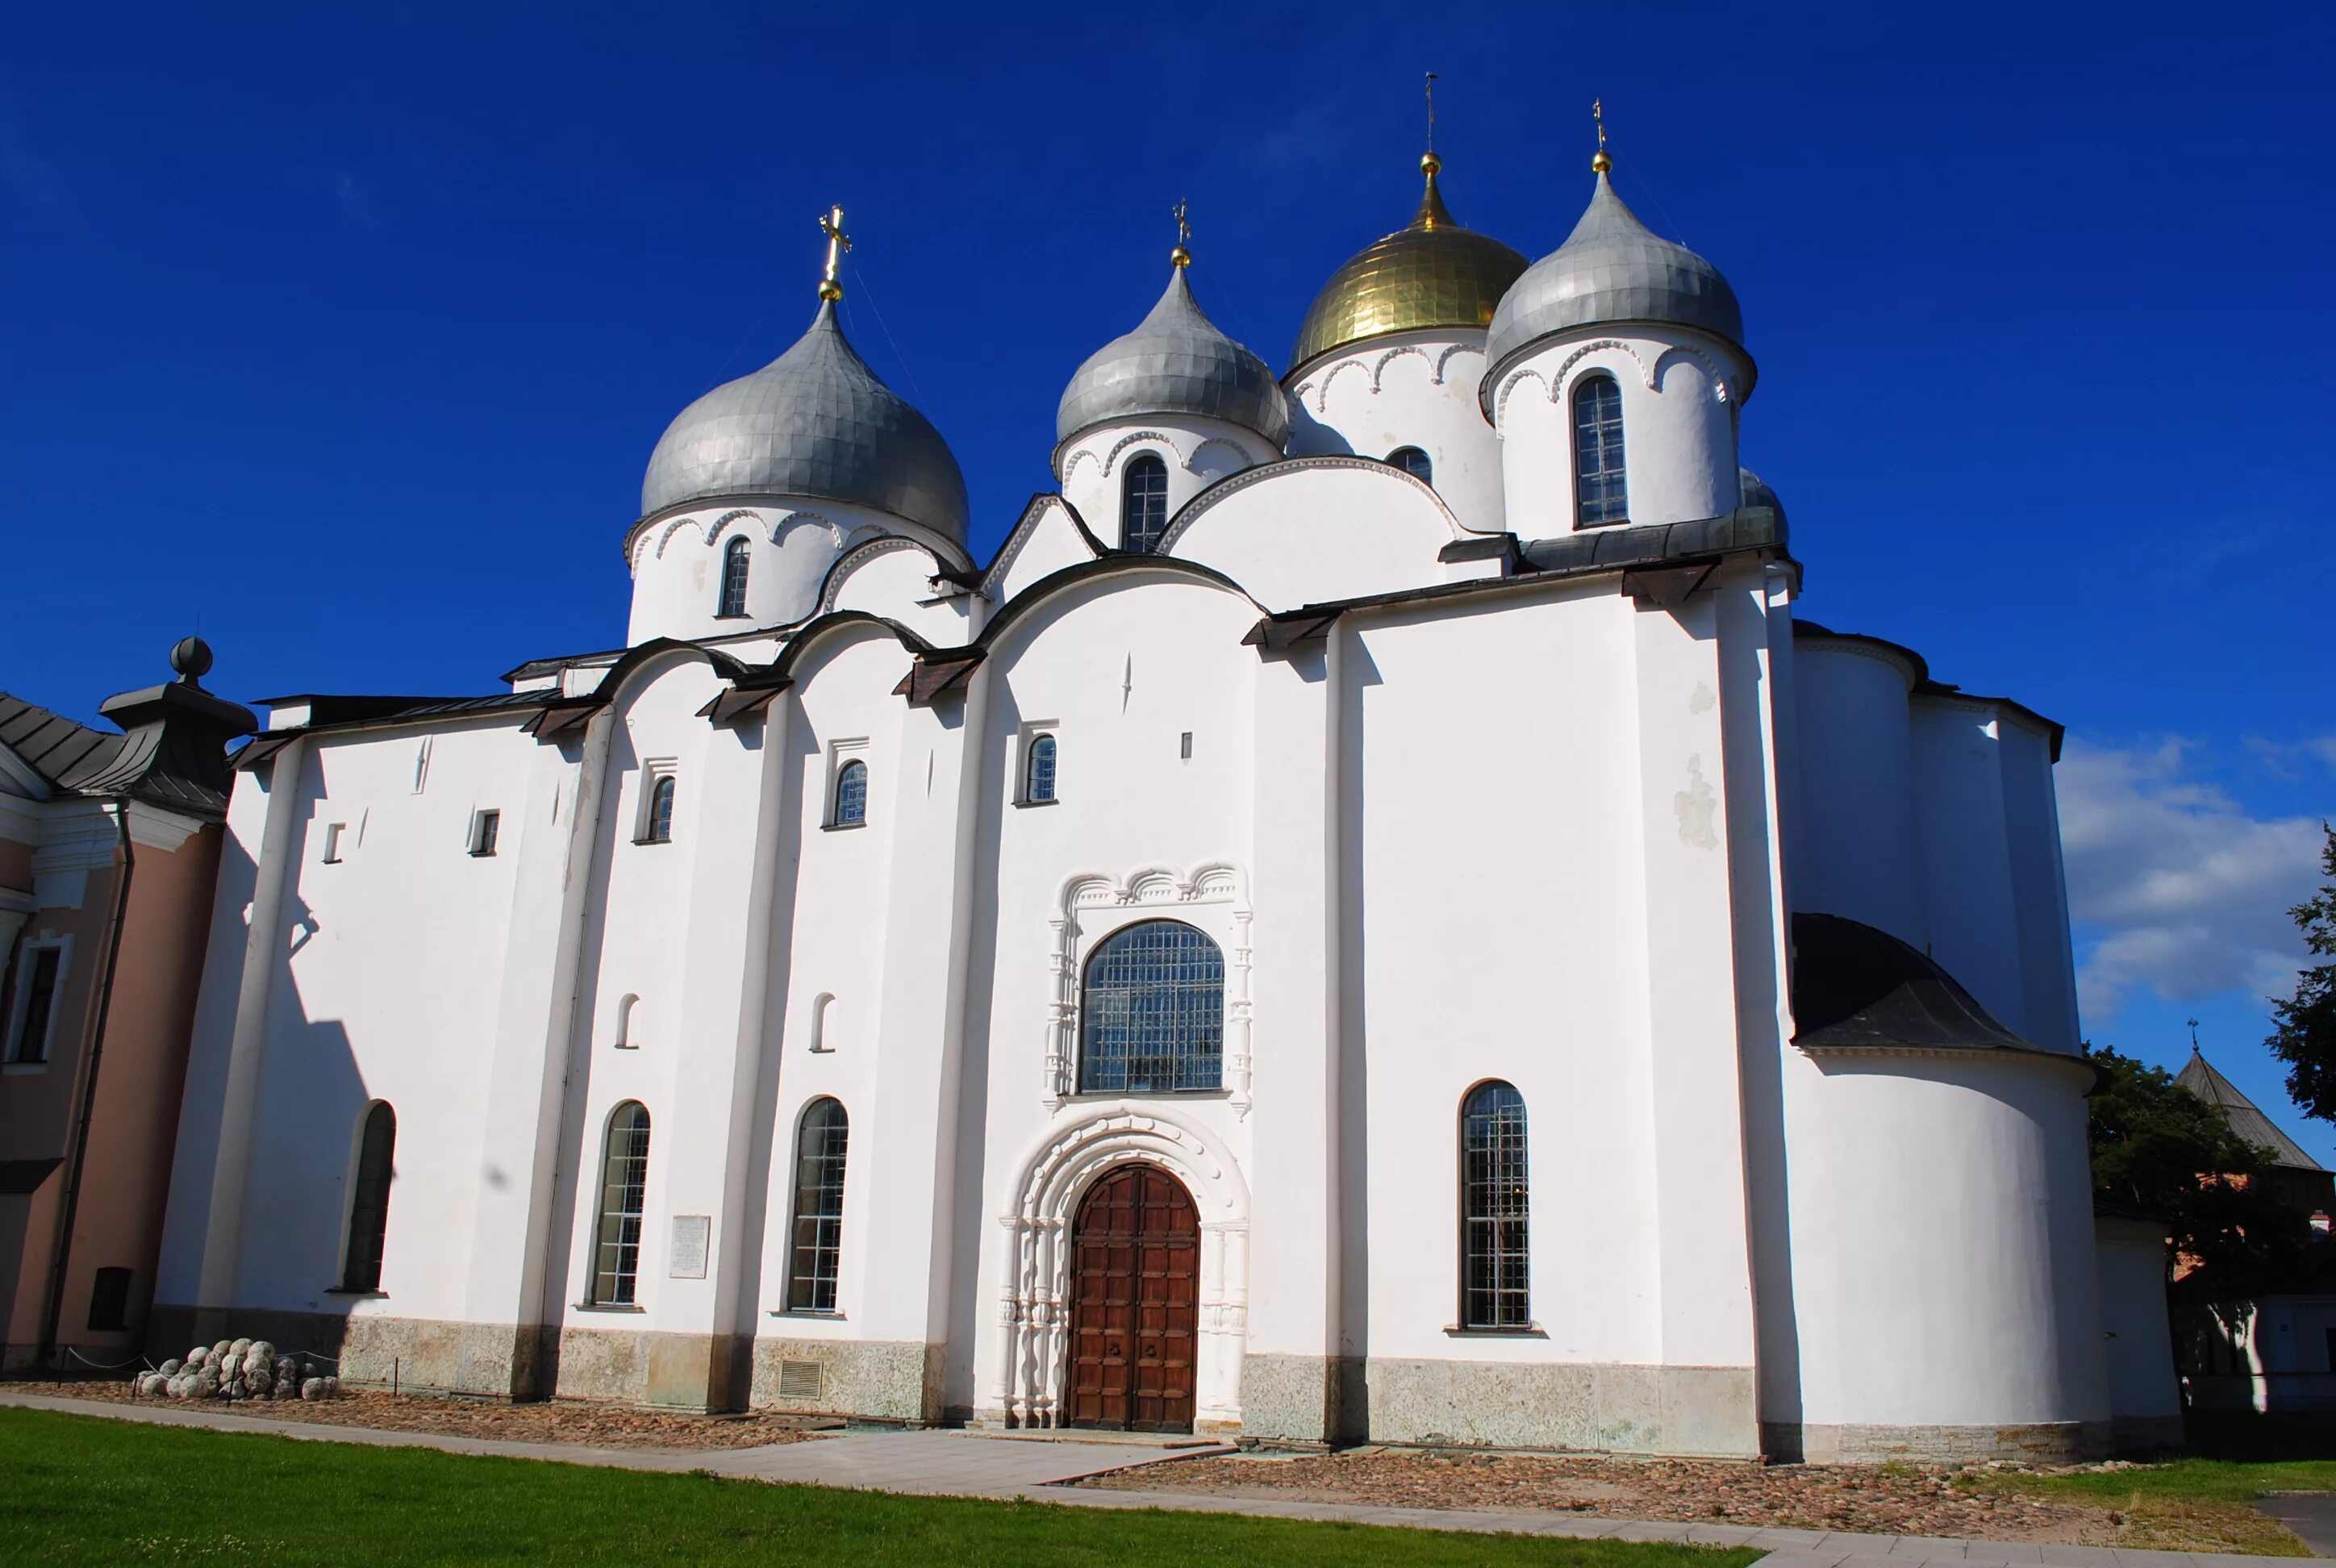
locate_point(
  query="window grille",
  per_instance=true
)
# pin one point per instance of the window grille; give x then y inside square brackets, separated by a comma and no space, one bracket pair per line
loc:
[819,1208]
[1154,1012]
[369,1200]
[735,564]
[624,1197]
[1040,785]
[1413,461]
[1143,504]
[1495,1203]
[1600,494]
[659,829]
[851,793]
[109,1300]
[40,1005]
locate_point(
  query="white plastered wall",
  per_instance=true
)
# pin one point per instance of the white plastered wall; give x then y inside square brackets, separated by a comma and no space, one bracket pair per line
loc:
[1197,452]
[1408,389]
[677,562]
[1317,529]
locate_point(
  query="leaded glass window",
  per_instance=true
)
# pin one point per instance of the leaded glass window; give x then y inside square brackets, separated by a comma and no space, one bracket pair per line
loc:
[1413,461]
[1039,784]
[659,829]
[369,1199]
[1495,1206]
[1600,494]
[1143,503]
[1154,1019]
[851,795]
[735,563]
[819,1208]
[624,1197]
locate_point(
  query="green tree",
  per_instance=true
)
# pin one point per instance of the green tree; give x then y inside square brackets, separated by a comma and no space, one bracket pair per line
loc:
[2161,1150]
[2306,1037]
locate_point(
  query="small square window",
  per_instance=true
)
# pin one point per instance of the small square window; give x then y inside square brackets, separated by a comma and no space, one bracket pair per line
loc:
[333,832]
[485,827]
[109,1300]
[1184,746]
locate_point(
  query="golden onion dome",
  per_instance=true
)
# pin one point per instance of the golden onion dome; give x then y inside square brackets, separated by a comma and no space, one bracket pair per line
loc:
[1432,273]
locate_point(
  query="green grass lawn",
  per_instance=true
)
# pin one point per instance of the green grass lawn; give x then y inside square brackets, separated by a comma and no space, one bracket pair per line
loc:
[81,1489]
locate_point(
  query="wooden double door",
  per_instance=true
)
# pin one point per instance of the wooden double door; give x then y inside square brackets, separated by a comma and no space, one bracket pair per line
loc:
[1135,1292]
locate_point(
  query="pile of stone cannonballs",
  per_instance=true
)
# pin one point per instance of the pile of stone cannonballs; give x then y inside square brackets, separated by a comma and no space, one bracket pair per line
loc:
[237,1369]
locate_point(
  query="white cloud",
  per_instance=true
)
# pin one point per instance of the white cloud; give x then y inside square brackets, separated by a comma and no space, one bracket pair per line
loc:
[2173,886]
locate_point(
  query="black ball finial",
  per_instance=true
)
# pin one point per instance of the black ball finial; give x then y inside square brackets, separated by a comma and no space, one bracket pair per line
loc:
[192,657]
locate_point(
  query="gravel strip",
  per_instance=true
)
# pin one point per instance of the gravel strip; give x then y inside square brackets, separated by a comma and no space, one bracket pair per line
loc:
[560,1421]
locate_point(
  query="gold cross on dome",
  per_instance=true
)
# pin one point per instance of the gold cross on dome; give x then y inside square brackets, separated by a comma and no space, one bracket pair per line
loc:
[1598,112]
[838,242]
[1182,256]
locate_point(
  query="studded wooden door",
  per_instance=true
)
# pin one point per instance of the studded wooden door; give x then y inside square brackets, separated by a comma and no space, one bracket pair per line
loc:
[1135,1289]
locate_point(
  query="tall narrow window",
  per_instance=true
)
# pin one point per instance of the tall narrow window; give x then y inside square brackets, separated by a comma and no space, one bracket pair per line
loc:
[369,1199]
[1413,461]
[1495,1205]
[657,828]
[851,794]
[109,1300]
[734,576]
[1154,1015]
[624,1196]
[1143,503]
[819,1208]
[1038,776]
[1599,491]
[40,973]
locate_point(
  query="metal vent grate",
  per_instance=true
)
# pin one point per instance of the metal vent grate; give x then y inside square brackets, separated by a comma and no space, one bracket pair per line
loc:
[799,1380]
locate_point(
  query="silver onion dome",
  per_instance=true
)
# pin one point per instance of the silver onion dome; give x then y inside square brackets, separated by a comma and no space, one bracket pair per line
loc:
[1174,362]
[815,421]
[1611,268]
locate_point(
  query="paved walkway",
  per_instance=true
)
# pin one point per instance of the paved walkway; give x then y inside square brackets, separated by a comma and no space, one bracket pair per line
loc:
[2310,1514]
[967,1463]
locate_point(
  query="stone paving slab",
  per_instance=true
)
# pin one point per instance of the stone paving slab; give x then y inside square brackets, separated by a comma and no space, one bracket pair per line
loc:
[967,1464]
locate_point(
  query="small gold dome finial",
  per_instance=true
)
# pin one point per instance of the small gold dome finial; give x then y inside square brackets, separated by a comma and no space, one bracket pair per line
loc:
[1599,162]
[1181,255]
[838,242]
[1430,165]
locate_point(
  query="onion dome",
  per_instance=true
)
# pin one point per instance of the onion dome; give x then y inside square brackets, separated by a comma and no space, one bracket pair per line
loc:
[815,422]
[1175,362]
[1611,270]
[1432,273]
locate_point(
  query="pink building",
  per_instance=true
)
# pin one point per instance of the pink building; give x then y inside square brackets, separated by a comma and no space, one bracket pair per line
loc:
[109,846]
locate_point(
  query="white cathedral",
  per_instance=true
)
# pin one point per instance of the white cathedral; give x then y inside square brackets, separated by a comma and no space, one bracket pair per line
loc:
[1367,918]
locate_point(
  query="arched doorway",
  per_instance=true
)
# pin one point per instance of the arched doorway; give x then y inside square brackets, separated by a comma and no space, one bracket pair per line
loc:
[1134,1318]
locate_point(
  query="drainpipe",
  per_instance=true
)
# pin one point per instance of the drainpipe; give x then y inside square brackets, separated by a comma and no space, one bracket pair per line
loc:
[77,1153]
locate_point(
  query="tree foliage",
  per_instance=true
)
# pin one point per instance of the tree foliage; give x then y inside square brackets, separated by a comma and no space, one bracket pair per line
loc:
[2162,1151]
[2306,1036]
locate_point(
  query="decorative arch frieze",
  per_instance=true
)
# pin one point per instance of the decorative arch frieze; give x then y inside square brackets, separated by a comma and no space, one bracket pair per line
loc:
[1241,458]
[1053,1175]
[1234,484]
[1379,366]
[665,534]
[1445,359]
[1711,369]
[1111,458]
[859,555]
[1213,883]
[1330,378]
[714,529]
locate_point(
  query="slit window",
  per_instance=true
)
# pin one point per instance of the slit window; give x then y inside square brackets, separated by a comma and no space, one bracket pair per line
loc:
[819,1208]
[1039,774]
[40,973]
[1143,504]
[109,1300]
[658,826]
[1600,492]
[624,1199]
[369,1199]
[851,794]
[1496,1210]
[735,564]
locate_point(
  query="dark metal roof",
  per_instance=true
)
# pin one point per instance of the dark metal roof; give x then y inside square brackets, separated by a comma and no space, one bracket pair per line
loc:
[2246,1118]
[173,752]
[49,744]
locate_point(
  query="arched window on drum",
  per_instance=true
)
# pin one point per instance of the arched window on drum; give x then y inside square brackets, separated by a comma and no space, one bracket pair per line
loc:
[1143,503]
[1153,1012]
[1496,1210]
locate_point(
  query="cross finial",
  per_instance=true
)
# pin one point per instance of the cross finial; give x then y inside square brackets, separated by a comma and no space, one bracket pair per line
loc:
[1182,256]
[838,242]
[2193,1037]
[1600,161]
[1431,112]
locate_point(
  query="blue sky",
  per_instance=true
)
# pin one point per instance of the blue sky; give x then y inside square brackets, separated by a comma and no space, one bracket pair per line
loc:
[345,332]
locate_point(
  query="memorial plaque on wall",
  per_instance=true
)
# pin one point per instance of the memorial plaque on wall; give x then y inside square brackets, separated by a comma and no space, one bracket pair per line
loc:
[692,1233]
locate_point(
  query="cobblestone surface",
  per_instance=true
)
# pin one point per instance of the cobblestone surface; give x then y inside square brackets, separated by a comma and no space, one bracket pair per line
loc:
[1885,1500]
[594,1426]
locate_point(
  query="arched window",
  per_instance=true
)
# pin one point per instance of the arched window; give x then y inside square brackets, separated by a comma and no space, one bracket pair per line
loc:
[819,1208]
[1039,774]
[658,827]
[1495,1205]
[851,795]
[1599,494]
[734,575]
[369,1199]
[1154,1012]
[624,1196]
[1143,503]
[1413,461]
